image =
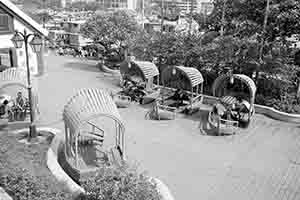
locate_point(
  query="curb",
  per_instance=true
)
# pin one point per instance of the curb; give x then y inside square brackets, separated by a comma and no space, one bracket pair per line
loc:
[54,166]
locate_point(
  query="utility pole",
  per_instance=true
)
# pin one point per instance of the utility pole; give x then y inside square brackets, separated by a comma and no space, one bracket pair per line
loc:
[162,16]
[223,18]
[263,38]
[44,13]
[143,13]
[191,16]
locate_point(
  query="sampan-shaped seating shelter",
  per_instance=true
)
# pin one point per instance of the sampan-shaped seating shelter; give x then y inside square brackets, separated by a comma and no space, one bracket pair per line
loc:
[236,105]
[241,86]
[142,72]
[183,87]
[14,80]
[81,118]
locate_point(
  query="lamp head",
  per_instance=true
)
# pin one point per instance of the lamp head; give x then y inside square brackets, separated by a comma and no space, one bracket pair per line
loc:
[36,44]
[17,40]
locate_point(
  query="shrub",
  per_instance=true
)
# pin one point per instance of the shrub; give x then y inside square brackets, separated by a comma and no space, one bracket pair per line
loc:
[20,185]
[23,171]
[119,183]
[289,105]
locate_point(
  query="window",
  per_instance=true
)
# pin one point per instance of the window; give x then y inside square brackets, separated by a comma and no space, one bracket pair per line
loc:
[7,58]
[6,24]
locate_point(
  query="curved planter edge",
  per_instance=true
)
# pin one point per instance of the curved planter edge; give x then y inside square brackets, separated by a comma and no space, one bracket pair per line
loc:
[56,169]
[276,114]
[72,186]
[265,110]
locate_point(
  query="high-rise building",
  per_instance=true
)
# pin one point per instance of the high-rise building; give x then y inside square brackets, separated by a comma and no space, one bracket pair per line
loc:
[63,3]
[117,4]
[186,6]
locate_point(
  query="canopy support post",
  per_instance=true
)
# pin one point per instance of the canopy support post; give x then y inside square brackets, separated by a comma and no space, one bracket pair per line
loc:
[202,97]
[67,140]
[117,134]
[191,99]
[76,150]
[123,144]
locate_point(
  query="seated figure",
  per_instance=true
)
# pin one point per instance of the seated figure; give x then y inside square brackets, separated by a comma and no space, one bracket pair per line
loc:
[240,107]
[20,106]
[4,109]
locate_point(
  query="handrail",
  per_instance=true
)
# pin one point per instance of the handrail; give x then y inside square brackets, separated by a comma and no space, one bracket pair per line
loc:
[92,124]
[174,89]
[229,122]
[168,108]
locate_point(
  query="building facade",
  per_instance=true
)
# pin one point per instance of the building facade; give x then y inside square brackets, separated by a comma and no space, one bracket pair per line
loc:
[117,4]
[11,19]
[186,6]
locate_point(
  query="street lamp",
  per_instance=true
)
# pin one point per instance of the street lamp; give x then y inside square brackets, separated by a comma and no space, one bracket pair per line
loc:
[36,44]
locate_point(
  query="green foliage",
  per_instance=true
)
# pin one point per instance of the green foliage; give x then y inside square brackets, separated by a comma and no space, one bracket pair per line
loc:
[42,17]
[119,183]
[245,17]
[21,185]
[23,171]
[117,27]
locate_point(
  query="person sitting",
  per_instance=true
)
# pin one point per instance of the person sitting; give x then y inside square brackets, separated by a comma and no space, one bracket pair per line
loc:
[60,51]
[240,107]
[20,106]
[4,109]
[176,96]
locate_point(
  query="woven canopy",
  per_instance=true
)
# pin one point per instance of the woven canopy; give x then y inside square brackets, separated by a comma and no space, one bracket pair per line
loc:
[88,104]
[245,79]
[146,69]
[13,76]
[194,76]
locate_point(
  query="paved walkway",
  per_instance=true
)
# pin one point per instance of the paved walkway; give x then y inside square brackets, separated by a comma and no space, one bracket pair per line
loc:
[260,163]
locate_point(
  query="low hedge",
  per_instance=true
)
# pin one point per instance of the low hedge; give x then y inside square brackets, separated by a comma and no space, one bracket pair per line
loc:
[24,173]
[289,105]
[119,183]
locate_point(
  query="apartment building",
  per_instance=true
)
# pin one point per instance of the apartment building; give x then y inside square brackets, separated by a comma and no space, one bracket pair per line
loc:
[117,4]
[185,6]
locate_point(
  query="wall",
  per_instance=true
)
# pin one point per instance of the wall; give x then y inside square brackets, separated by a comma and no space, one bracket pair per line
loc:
[21,59]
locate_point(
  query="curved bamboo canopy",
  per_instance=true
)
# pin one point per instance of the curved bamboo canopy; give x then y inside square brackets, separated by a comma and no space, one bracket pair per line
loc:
[88,104]
[143,69]
[181,77]
[222,80]
[13,76]
[84,107]
[17,77]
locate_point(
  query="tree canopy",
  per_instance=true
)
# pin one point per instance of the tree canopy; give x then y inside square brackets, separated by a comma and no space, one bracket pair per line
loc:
[245,17]
[117,27]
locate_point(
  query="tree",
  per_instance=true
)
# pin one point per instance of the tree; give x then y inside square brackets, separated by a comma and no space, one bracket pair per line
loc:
[118,28]
[246,17]
[42,17]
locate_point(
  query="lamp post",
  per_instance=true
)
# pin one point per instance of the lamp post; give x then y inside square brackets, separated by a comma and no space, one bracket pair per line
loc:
[36,44]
